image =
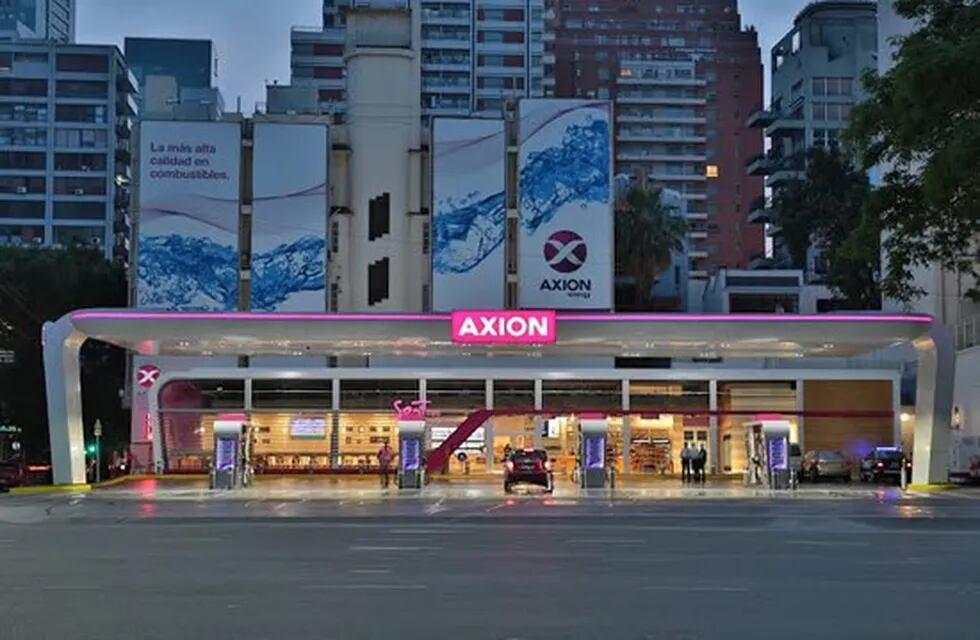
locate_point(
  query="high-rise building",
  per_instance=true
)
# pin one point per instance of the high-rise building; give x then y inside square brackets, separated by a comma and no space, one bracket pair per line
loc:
[37,20]
[683,77]
[475,54]
[816,73]
[182,67]
[65,122]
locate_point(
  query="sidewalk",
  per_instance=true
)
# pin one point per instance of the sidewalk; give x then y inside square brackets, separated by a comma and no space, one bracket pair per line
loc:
[368,488]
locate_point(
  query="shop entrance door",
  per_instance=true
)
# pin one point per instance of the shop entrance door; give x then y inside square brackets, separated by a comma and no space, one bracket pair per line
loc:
[696,438]
[726,453]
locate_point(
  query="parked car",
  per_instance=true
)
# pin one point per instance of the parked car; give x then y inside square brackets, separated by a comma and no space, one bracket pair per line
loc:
[528,466]
[884,463]
[822,464]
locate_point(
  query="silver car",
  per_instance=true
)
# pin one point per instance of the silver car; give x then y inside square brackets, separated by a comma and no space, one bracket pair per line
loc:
[821,464]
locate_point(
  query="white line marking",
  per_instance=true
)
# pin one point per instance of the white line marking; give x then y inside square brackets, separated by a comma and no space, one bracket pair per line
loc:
[68,587]
[279,506]
[178,539]
[605,541]
[706,589]
[433,509]
[370,571]
[385,548]
[828,543]
[409,532]
[368,587]
[7,541]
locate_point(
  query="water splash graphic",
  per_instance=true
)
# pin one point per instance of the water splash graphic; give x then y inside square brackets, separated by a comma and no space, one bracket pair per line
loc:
[178,272]
[577,170]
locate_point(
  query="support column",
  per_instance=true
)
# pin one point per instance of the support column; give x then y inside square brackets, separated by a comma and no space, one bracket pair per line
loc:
[897,410]
[800,419]
[713,443]
[627,427]
[334,423]
[488,427]
[62,382]
[538,401]
[156,426]
[933,405]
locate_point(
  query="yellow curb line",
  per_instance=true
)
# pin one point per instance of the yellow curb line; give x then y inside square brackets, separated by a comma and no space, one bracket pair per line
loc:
[938,486]
[51,488]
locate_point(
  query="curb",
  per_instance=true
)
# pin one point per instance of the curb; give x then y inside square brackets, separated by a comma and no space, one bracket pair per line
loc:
[50,488]
[938,486]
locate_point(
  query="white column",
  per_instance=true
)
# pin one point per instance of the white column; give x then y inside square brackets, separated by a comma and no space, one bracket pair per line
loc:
[156,425]
[627,427]
[713,442]
[897,409]
[538,401]
[488,429]
[335,422]
[800,419]
[62,382]
[933,405]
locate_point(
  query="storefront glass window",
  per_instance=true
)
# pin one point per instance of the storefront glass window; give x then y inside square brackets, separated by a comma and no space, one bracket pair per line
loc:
[291,394]
[582,395]
[377,395]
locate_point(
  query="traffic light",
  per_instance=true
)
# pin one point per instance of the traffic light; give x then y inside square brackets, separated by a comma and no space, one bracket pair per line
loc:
[90,449]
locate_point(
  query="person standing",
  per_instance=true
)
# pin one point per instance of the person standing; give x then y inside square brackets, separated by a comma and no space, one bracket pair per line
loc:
[686,463]
[384,461]
[702,459]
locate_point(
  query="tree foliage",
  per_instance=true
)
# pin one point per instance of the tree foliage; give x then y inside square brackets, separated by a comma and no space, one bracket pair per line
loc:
[38,285]
[647,233]
[921,126]
[826,209]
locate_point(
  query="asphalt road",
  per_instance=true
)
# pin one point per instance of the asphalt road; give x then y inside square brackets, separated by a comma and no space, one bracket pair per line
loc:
[126,565]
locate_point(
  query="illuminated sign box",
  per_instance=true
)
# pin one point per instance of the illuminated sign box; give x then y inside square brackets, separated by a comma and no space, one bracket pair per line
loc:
[307,428]
[504,327]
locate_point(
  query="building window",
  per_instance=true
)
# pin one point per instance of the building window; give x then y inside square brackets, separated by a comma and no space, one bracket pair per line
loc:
[80,162]
[22,184]
[711,171]
[84,138]
[378,281]
[81,89]
[334,237]
[81,63]
[603,73]
[22,160]
[334,295]
[23,87]
[426,238]
[79,236]
[21,235]
[23,137]
[80,113]
[824,138]
[379,216]
[28,112]
[21,209]
[831,111]
[69,210]
[833,86]
[80,186]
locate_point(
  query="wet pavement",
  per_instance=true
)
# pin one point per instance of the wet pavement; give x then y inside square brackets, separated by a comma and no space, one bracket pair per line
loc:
[299,558]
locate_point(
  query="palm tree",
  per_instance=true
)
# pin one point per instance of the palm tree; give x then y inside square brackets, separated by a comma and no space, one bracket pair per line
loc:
[647,233]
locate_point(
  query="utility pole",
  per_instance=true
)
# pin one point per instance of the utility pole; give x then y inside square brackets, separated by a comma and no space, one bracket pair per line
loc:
[97,430]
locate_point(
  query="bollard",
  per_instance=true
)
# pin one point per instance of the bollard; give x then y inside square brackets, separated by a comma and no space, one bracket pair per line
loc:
[903,477]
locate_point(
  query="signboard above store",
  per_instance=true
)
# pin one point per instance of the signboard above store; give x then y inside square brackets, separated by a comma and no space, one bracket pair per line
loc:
[504,327]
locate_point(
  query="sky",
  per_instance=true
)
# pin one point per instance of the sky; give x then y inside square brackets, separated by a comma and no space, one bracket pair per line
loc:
[251,37]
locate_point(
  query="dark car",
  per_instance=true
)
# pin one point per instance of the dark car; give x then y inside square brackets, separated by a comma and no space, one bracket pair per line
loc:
[12,474]
[883,463]
[528,466]
[821,464]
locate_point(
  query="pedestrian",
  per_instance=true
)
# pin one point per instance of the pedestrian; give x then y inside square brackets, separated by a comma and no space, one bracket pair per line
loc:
[686,463]
[702,460]
[385,455]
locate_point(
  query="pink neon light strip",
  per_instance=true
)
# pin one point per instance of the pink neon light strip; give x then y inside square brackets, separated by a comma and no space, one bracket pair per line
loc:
[445,317]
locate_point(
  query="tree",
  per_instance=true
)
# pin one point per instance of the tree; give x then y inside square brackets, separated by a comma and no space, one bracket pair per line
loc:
[647,233]
[921,126]
[826,209]
[38,285]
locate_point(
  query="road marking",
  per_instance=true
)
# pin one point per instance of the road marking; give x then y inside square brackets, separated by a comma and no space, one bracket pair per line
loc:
[433,509]
[279,506]
[368,587]
[605,541]
[386,548]
[828,543]
[409,532]
[7,541]
[704,589]
[68,587]
[370,571]
[192,539]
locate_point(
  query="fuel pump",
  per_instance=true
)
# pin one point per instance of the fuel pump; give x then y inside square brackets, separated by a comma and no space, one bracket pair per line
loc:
[232,452]
[594,431]
[767,449]
[410,468]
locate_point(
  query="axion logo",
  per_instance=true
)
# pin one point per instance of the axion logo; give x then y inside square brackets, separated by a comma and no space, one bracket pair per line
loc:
[565,251]
[503,327]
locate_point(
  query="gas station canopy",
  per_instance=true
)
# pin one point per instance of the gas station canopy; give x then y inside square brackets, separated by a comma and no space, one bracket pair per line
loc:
[423,335]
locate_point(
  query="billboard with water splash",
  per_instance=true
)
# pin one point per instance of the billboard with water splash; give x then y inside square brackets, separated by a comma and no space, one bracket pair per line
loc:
[289,217]
[565,243]
[469,221]
[187,258]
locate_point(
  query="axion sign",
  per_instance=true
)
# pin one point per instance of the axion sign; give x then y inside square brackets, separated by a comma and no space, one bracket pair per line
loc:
[504,327]
[147,375]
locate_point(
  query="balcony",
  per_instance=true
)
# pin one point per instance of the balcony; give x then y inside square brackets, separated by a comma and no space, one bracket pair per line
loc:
[770,164]
[126,81]
[650,80]
[697,235]
[125,105]
[441,85]
[123,150]
[761,118]
[760,211]
[652,136]
[446,16]
[758,261]
[124,128]
[637,97]
[446,42]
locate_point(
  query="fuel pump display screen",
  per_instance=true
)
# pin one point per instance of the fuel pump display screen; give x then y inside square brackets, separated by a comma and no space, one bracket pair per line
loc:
[595,452]
[777,454]
[410,454]
[225,453]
